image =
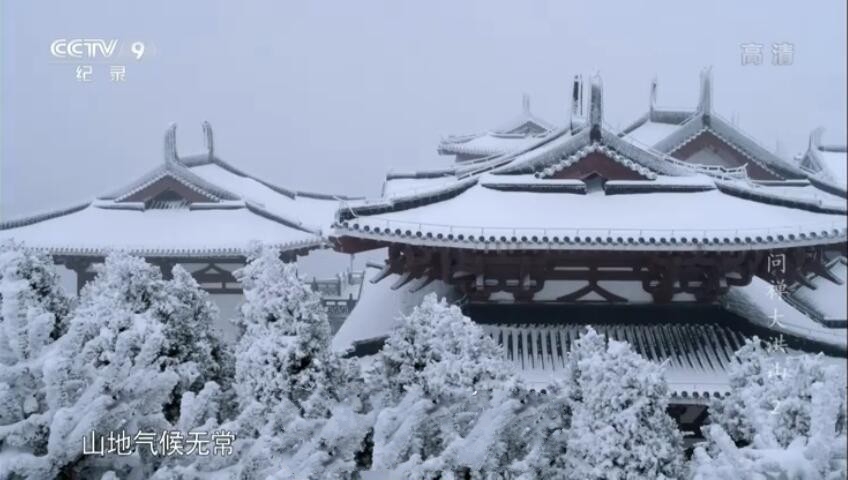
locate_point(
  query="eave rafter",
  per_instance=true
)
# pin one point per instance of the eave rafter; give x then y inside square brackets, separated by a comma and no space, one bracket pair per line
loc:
[704,275]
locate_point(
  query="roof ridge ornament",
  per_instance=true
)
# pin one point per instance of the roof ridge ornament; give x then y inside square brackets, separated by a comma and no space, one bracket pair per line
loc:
[171,144]
[705,100]
[577,99]
[525,104]
[652,101]
[596,110]
[815,138]
[207,134]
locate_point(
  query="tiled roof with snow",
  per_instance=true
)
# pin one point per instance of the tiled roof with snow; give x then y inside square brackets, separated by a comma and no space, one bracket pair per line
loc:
[826,164]
[824,297]
[514,135]
[379,309]
[539,351]
[666,131]
[488,143]
[514,204]
[755,303]
[236,210]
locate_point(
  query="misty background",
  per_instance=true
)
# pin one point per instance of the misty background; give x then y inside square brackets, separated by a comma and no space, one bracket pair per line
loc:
[329,96]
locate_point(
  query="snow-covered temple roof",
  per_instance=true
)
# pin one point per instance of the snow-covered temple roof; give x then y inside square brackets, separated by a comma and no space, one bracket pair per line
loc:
[823,295]
[595,190]
[188,206]
[513,135]
[379,308]
[681,133]
[826,164]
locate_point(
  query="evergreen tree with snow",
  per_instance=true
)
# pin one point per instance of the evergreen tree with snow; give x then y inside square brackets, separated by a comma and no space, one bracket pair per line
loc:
[619,427]
[441,350]
[784,418]
[187,316]
[299,404]
[771,394]
[453,406]
[33,315]
[284,352]
[109,373]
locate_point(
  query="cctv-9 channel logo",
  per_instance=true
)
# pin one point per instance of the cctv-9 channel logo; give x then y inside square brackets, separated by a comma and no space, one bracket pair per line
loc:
[91,48]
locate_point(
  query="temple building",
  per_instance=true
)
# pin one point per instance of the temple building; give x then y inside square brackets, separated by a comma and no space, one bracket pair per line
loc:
[684,243]
[195,210]
[703,137]
[519,132]
[474,153]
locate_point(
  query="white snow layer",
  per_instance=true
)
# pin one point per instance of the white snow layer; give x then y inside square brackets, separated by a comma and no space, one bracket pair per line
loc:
[162,231]
[836,164]
[755,304]
[480,210]
[313,212]
[828,298]
[492,143]
[650,133]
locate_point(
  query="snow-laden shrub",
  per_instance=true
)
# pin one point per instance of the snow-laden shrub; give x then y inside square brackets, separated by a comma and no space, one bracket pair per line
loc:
[443,352]
[788,411]
[108,373]
[33,315]
[34,309]
[300,409]
[284,352]
[771,394]
[619,426]
[134,344]
[453,406]
[187,315]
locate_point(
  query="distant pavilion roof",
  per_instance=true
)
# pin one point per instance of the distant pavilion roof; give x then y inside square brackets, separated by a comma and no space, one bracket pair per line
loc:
[513,135]
[595,190]
[669,130]
[194,206]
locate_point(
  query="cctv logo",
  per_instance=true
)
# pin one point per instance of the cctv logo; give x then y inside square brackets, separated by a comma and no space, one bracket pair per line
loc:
[83,47]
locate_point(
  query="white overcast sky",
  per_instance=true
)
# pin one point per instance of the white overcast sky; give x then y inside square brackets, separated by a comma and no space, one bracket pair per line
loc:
[330,95]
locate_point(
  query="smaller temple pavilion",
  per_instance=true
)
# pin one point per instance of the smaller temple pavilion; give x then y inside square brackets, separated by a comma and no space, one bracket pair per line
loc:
[195,210]
[476,153]
[513,135]
[683,255]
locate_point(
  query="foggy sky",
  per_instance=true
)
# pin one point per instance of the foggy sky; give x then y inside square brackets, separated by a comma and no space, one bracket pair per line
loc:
[329,96]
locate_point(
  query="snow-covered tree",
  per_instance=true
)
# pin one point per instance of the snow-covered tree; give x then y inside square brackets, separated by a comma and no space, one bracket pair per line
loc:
[187,316]
[284,352]
[619,427]
[301,412]
[34,309]
[453,404]
[788,410]
[33,314]
[134,344]
[441,350]
[109,374]
[771,394]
